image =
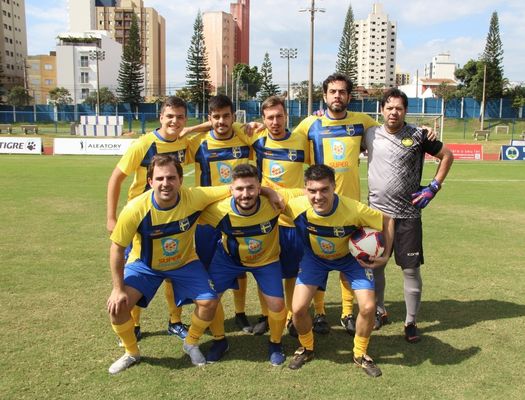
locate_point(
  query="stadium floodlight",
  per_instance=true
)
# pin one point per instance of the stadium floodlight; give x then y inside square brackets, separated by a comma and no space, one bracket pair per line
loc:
[97,55]
[312,10]
[288,53]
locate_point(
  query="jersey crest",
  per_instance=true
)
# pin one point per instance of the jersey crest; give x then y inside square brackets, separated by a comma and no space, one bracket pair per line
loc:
[170,246]
[254,245]
[338,149]
[326,246]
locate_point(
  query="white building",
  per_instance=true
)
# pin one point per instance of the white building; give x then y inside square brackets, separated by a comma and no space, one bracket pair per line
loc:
[441,67]
[82,15]
[376,51]
[77,66]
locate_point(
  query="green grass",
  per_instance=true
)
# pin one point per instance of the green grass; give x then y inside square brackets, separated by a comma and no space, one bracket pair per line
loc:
[54,281]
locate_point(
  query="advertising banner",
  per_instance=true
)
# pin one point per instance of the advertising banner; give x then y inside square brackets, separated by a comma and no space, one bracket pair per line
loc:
[20,145]
[472,152]
[513,153]
[108,147]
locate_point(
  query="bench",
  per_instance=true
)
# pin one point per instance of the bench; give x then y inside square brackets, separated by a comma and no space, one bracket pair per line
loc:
[29,128]
[481,135]
[6,127]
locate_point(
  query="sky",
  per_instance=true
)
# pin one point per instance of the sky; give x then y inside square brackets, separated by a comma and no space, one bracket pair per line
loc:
[425,29]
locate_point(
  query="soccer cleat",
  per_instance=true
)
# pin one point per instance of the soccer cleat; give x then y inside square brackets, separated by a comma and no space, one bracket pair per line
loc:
[275,354]
[124,362]
[197,358]
[411,333]
[368,365]
[291,328]
[261,326]
[138,335]
[178,329]
[242,322]
[320,324]
[300,357]
[217,350]
[348,322]
[380,320]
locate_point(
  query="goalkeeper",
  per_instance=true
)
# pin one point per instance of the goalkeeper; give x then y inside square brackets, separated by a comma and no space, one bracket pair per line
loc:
[396,153]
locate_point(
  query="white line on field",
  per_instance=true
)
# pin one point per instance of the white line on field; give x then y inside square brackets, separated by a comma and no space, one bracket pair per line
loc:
[189,173]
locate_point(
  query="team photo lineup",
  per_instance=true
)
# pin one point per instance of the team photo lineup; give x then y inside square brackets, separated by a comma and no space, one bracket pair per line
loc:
[284,206]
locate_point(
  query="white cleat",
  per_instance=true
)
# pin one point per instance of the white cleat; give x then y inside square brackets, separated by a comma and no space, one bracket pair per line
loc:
[197,358]
[124,362]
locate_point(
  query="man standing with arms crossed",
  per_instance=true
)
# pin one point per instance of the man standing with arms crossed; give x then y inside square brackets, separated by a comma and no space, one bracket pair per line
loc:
[396,153]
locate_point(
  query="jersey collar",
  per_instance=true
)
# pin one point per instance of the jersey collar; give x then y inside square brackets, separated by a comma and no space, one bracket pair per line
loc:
[156,205]
[286,136]
[159,136]
[236,210]
[334,207]
[212,134]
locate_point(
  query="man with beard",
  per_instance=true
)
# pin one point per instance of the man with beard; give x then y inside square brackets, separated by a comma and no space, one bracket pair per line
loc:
[249,243]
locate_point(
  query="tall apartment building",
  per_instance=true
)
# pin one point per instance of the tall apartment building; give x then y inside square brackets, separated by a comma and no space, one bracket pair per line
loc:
[241,16]
[376,51]
[41,76]
[114,16]
[220,48]
[402,78]
[78,69]
[441,67]
[13,44]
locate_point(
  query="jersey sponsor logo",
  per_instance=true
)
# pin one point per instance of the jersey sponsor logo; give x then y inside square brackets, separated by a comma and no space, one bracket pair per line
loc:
[237,152]
[350,130]
[292,155]
[339,231]
[225,172]
[369,274]
[254,245]
[276,171]
[413,254]
[266,227]
[184,224]
[170,246]
[338,149]
[407,142]
[326,246]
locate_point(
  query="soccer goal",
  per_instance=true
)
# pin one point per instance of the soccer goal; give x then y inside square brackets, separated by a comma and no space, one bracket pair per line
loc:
[501,129]
[434,121]
[240,116]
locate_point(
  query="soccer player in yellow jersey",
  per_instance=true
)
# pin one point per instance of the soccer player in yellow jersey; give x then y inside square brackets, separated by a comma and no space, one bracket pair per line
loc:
[249,243]
[280,157]
[173,117]
[161,224]
[324,221]
[335,140]
[214,155]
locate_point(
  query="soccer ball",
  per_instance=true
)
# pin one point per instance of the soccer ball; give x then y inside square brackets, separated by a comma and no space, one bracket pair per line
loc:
[366,242]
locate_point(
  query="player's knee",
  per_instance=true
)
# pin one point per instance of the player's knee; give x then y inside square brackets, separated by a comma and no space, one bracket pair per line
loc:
[367,308]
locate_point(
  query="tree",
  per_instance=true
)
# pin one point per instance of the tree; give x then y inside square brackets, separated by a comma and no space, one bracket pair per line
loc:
[106,96]
[268,88]
[347,55]
[301,91]
[471,75]
[184,93]
[198,75]
[60,96]
[250,80]
[517,95]
[130,76]
[18,96]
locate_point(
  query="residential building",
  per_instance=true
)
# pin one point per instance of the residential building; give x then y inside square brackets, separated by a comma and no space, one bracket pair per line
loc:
[41,76]
[441,67]
[114,16]
[376,49]
[402,78]
[85,61]
[13,44]
[220,49]
[241,15]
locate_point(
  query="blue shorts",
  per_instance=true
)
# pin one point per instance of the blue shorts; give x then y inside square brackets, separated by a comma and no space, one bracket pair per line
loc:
[206,238]
[190,282]
[314,271]
[291,251]
[224,272]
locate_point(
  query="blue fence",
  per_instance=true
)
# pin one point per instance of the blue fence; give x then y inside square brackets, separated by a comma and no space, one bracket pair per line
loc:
[455,108]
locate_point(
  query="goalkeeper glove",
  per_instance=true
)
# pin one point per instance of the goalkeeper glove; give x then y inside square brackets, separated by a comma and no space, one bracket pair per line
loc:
[421,198]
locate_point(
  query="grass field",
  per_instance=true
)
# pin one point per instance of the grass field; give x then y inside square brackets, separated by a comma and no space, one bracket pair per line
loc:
[57,342]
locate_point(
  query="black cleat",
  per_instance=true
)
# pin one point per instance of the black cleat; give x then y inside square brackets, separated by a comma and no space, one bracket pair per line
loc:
[348,322]
[300,357]
[291,329]
[368,365]
[320,324]
[380,320]
[242,322]
[411,333]
[261,327]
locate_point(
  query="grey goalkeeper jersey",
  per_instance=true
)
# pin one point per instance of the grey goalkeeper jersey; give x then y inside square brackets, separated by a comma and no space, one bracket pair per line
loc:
[395,165]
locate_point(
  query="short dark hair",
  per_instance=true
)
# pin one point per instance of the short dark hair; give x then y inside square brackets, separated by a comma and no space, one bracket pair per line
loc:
[273,101]
[395,93]
[159,160]
[174,102]
[319,172]
[245,171]
[218,102]
[338,77]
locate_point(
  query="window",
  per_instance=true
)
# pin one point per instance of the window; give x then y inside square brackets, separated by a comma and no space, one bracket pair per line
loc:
[48,67]
[84,61]
[84,93]
[48,82]
[84,77]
